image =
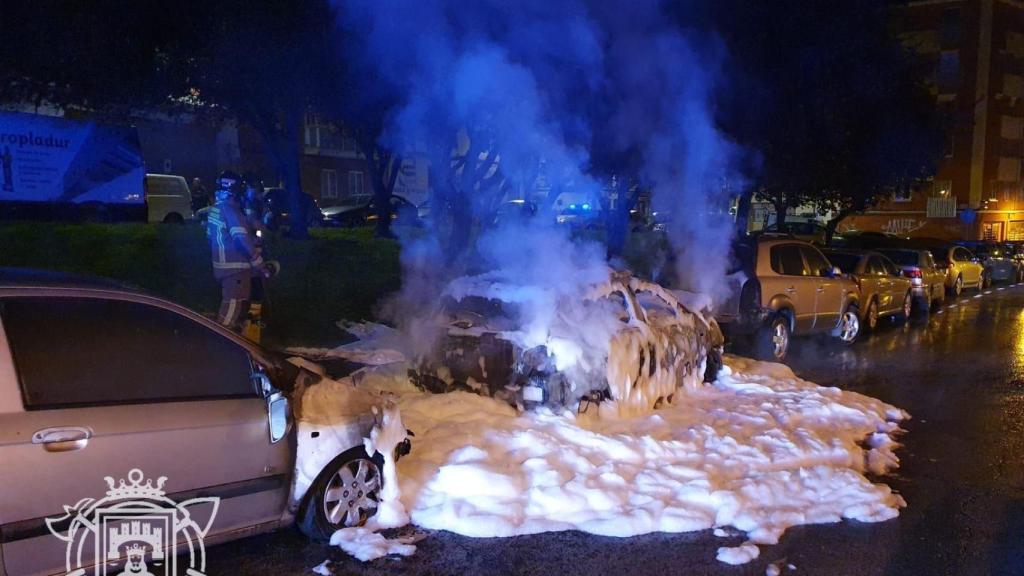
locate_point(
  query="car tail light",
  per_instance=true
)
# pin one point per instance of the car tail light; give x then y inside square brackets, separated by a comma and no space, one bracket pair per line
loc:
[912,273]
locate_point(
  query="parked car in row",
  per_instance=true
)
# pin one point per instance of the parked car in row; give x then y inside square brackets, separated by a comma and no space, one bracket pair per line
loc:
[998,260]
[962,269]
[959,266]
[361,210]
[168,198]
[884,290]
[789,289]
[277,211]
[164,390]
[928,282]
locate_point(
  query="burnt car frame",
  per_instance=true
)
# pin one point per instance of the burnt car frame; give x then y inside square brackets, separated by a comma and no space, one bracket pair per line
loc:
[652,345]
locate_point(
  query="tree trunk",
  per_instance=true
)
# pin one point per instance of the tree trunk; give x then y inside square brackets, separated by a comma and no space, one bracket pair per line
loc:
[377,160]
[281,143]
[298,223]
[831,225]
[779,202]
[743,211]
[461,209]
[617,225]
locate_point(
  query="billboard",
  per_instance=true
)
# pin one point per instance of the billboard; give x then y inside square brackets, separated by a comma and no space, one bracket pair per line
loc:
[50,159]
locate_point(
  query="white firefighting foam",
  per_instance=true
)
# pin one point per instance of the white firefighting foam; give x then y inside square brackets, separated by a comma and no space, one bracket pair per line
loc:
[759,451]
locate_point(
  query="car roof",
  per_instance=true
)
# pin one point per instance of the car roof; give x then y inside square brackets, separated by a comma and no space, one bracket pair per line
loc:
[33,277]
[851,252]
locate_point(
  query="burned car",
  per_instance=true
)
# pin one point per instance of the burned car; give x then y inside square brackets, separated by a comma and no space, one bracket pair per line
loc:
[623,340]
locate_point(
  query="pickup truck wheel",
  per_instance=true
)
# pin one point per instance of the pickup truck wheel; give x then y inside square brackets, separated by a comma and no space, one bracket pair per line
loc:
[772,341]
[345,494]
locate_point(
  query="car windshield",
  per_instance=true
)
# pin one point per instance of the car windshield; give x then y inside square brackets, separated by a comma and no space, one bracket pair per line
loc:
[845,262]
[902,257]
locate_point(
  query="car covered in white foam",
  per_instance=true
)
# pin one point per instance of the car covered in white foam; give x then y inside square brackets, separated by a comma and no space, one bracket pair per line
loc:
[622,342]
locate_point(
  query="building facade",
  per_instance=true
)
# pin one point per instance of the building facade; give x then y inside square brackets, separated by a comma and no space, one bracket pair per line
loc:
[976,52]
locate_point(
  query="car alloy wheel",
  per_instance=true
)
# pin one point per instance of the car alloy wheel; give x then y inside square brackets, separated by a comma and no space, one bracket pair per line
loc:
[849,325]
[908,305]
[958,286]
[353,493]
[872,315]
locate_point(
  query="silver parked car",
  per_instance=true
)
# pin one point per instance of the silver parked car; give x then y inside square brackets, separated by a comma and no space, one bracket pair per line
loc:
[97,380]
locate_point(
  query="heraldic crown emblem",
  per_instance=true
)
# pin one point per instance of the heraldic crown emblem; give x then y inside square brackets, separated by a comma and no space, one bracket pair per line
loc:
[134,488]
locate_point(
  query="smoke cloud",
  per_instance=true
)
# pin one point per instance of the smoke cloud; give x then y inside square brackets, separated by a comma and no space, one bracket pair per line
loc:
[574,91]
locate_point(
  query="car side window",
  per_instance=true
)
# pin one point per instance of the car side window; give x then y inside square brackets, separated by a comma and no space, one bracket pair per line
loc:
[890,268]
[816,263]
[89,351]
[875,266]
[786,260]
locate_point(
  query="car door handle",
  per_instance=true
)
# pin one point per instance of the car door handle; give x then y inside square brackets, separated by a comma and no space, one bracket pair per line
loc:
[62,439]
[790,290]
[821,289]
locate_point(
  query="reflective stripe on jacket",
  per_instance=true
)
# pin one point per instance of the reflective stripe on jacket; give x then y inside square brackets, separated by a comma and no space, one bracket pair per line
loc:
[233,249]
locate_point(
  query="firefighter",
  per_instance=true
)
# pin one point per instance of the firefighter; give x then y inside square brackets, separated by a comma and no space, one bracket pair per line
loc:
[235,253]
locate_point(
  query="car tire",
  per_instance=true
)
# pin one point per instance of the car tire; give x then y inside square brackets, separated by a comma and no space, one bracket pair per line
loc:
[849,327]
[958,287]
[908,308]
[871,316]
[986,281]
[173,218]
[321,515]
[773,339]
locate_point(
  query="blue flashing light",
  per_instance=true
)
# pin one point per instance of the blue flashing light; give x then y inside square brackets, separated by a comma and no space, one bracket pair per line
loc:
[572,206]
[586,206]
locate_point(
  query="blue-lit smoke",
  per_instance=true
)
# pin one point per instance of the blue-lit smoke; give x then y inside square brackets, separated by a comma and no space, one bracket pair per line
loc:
[591,88]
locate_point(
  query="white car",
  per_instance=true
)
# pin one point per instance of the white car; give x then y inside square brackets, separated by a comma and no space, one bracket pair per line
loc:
[97,380]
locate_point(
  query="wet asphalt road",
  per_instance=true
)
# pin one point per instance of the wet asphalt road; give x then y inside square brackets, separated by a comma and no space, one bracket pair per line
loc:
[959,372]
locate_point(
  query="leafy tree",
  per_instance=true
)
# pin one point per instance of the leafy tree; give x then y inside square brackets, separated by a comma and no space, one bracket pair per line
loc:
[832,109]
[106,59]
[269,63]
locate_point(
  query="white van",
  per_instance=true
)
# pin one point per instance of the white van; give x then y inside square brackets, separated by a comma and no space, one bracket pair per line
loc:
[168,198]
